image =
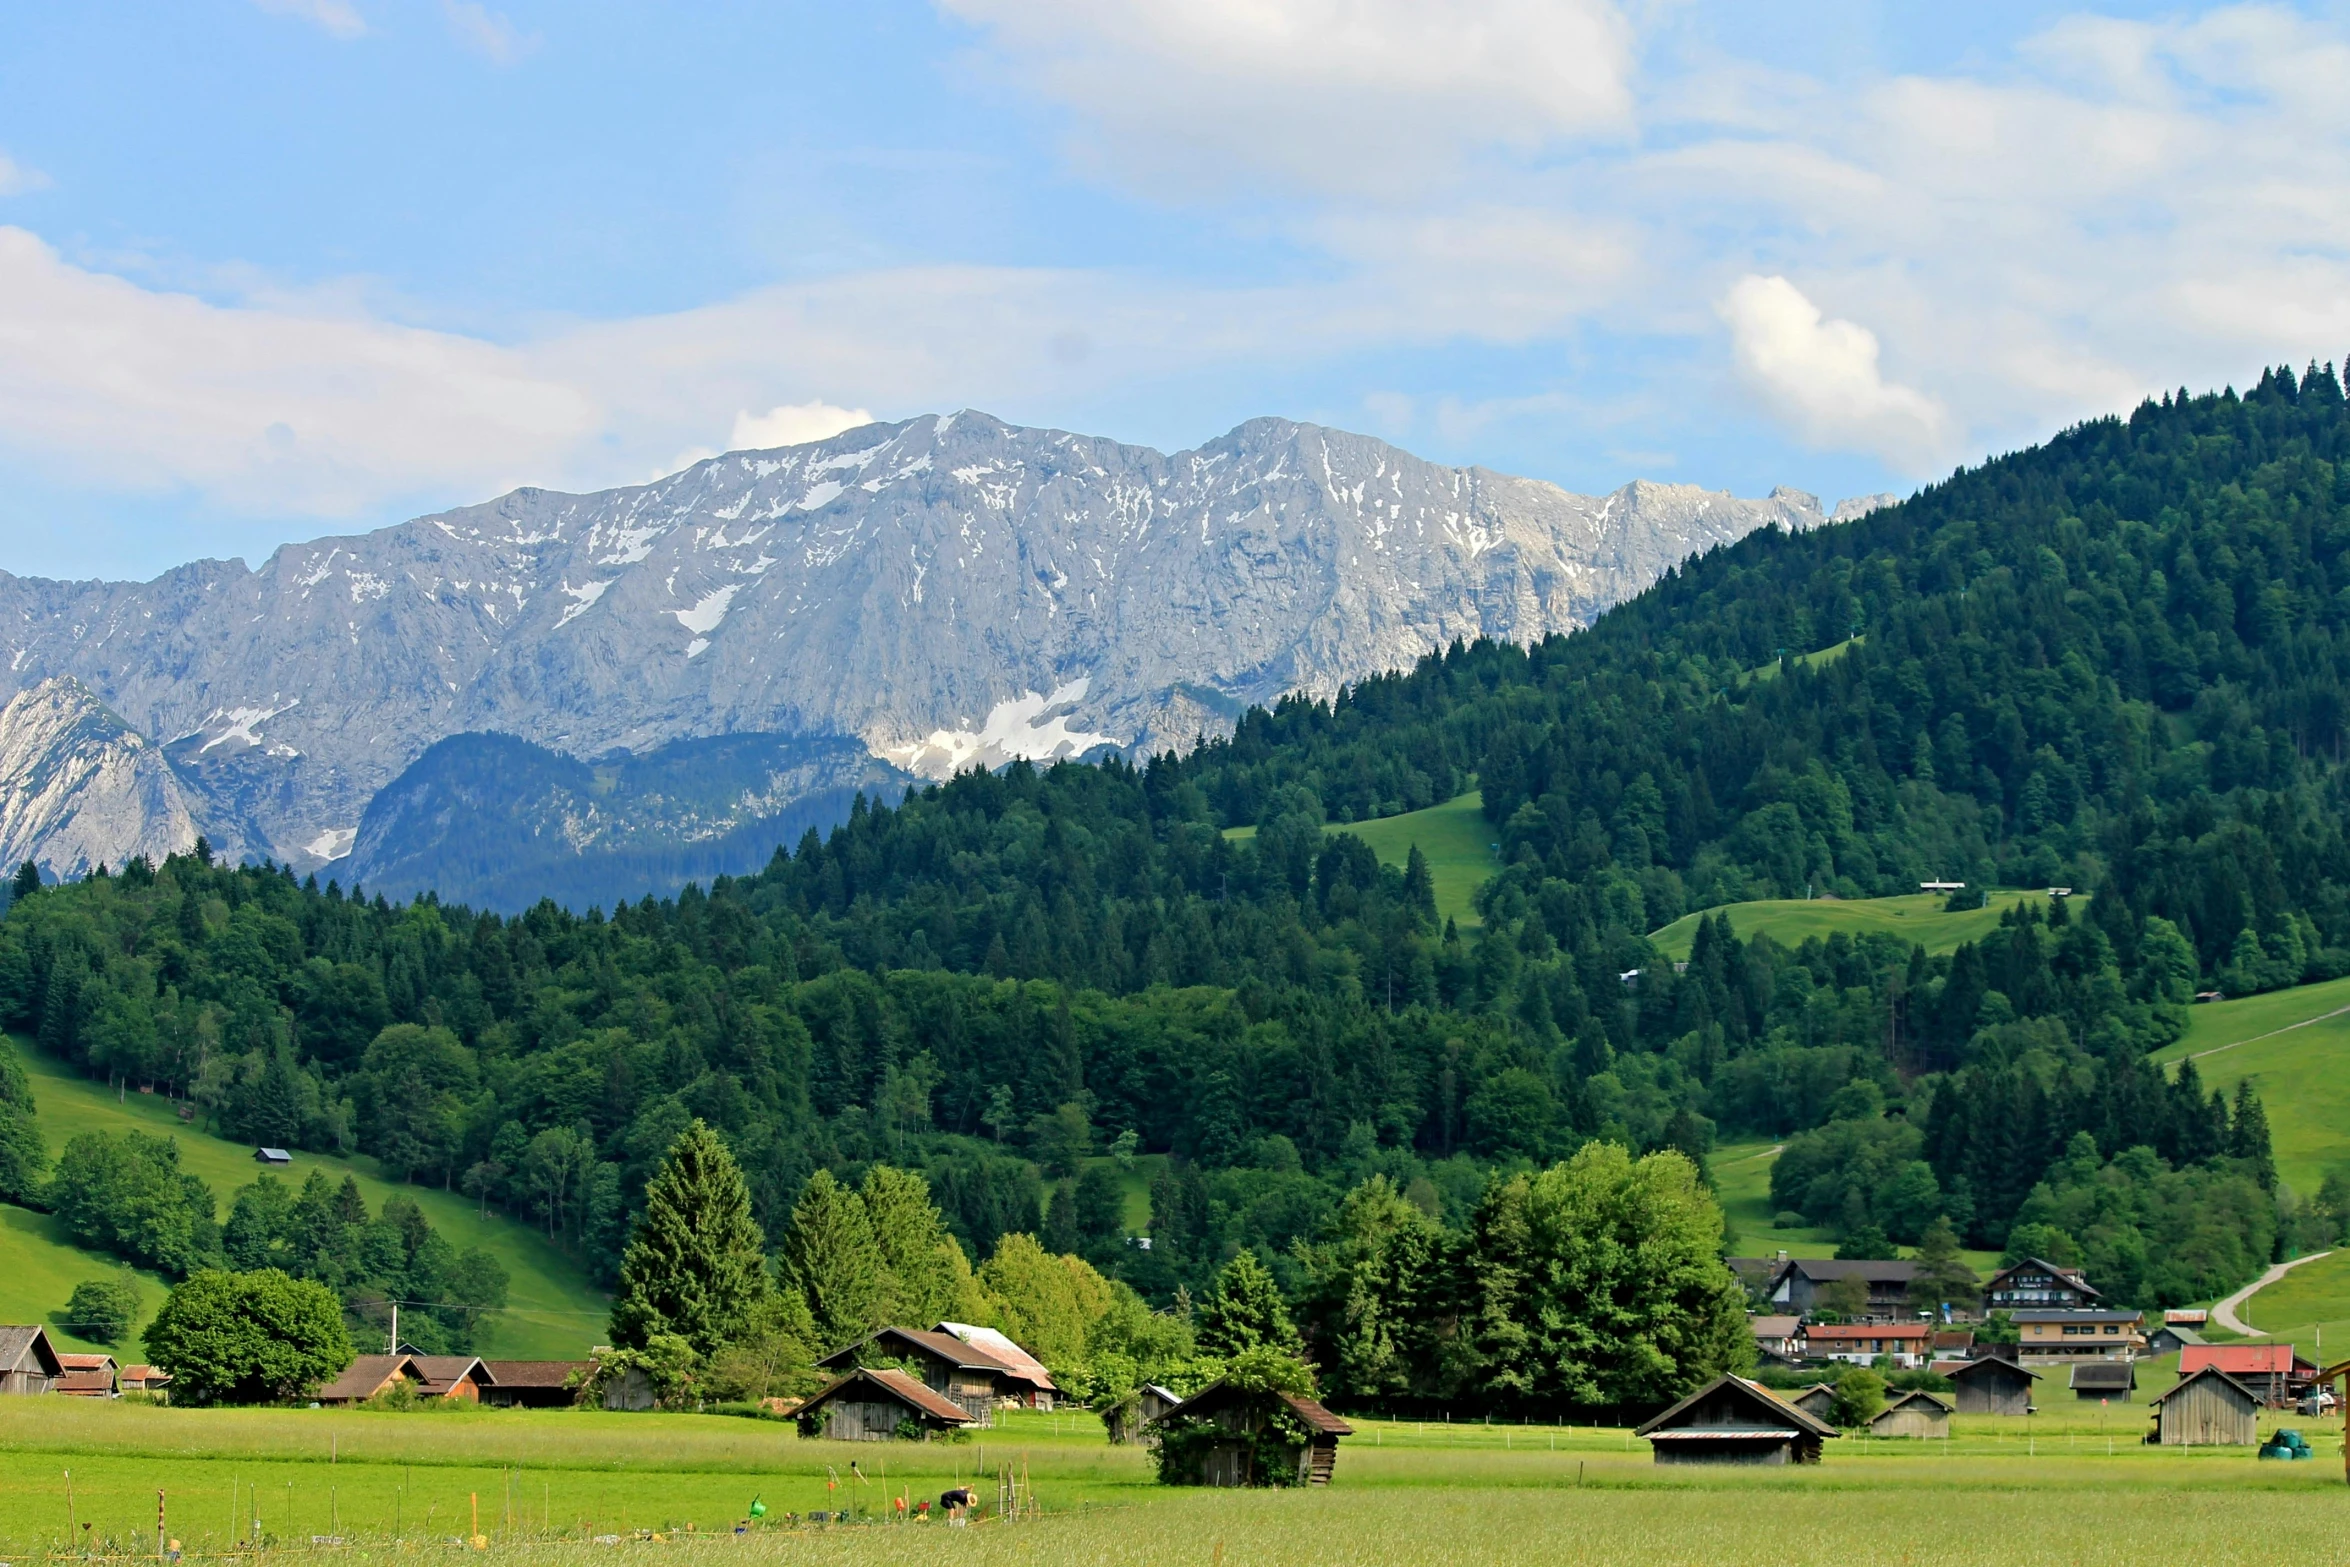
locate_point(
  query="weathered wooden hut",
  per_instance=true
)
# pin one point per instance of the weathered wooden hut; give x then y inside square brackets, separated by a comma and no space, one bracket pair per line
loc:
[2105,1381]
[28,1364]
[2207,1408]
[1128,1421]
[1733,1421]
[872,1404]
[367,1376]
[976,1378]
[1818,1401]
[87,1376]
[1993,1385]
[1916,1413]
[1230,1435]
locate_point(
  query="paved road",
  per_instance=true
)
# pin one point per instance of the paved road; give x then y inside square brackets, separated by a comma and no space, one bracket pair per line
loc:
[2225,1312]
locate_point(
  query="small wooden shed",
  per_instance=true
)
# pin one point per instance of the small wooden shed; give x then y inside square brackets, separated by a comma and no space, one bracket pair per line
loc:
[878,1405]
[28,1364]
[1733,1421]
[1818,1401]
[1917,1413]
[2105,1380]
[2207,1408]
[1246,1445]
[1993,1386]
[1129,1420]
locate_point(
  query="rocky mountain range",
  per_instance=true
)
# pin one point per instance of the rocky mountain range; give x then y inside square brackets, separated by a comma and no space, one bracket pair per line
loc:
[942,592]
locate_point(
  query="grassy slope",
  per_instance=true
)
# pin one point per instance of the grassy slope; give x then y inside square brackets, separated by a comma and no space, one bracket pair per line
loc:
[553,1310]
[1455,836]
[42,1269]
[1742,1182]
[2297,1056]
[1917,917]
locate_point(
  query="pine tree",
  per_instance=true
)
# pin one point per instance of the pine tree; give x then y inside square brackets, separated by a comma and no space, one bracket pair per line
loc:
[28,881]
[1943,1277]
[831,1258]
[1246,1311]
[696,1267]
[924,1275]
[2248,1137]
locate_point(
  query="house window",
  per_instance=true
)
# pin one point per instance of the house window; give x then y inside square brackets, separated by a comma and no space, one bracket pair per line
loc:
[2113,1327]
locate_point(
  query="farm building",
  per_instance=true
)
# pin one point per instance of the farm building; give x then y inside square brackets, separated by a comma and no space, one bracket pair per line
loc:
[879,1406]
[1953,1343]
[2036,1284]
[1799,1283]
[1129,1420]
[2172,1337]
[532,1384]
[272,1156]
[2207,1409]
[1032,1385]
[1227,1435]
[2105,1379]
[86,1376]
[1733,1421]
[1917,1413]
[976,1379]
[143,1379]
[2078,1335]
[1775,1336]
[430,1376]
[1817,1401]
[2267,1371]
[1993,1386]
[1909,1343]
[27,1363]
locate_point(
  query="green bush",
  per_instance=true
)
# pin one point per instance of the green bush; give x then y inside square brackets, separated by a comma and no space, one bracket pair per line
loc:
[103,1310]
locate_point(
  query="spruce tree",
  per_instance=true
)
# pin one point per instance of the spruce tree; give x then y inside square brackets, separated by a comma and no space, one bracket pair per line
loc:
[1246,1312]
[696,1266]
[831,1258]
[1943,1277]
[924,1275]
[2248,1137]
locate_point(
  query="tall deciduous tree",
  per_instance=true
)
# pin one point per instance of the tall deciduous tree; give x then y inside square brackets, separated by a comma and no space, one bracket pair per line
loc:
[696,1267]
[248,1338]
[1600,1282]
[832,1259]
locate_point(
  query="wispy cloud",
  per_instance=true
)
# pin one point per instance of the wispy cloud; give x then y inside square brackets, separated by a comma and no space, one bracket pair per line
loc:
[337,18]
[488,33]
[17,179]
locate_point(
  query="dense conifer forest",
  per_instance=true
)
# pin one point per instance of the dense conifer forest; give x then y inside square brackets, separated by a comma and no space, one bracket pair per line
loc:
[2116,662]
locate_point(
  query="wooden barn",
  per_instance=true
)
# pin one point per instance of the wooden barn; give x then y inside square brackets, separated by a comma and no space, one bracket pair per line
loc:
[87,1376]
[1733,1421]
[1129,1421]
[2108,1381]
[975,1378]
[872,1405]
[1818,1401]
[1239,1452]
[533,1384]
[1918,1414]
[2207,1409]
[27,1362]
[1993,1386]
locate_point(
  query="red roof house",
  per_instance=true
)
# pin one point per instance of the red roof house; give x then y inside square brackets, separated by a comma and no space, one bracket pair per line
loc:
[2267,1370]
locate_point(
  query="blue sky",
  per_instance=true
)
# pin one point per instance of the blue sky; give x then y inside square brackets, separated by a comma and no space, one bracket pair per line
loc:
[276,268]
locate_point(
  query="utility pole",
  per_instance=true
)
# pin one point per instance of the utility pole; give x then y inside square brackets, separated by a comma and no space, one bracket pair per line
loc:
[393,1348]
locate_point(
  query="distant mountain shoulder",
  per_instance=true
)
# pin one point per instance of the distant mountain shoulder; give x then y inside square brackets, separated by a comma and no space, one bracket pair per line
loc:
[943,591]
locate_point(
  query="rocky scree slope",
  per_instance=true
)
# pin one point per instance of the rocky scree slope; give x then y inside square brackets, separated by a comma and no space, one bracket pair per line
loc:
[944,591]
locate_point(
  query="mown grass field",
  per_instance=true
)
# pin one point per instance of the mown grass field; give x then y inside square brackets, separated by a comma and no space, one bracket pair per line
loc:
[2071,1486]
[1917,917]
[2295,1046]
[1455,836]
[554,1312]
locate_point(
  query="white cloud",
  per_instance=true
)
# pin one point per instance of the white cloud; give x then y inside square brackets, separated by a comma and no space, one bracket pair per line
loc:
[1822,379]
[17,179]
[337,18]
[793,424]
[488,33]
[1348,94]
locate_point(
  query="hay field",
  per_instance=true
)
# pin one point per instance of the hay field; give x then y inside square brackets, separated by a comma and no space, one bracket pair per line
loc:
[2070,1486]
[1455,836]
[1916,917]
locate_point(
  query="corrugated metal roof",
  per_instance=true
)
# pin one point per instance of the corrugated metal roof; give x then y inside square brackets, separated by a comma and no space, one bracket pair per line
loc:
[989,1341]
[2238,1360]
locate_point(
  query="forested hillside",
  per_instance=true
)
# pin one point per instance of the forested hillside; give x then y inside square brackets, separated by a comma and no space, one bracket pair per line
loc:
[2116,662]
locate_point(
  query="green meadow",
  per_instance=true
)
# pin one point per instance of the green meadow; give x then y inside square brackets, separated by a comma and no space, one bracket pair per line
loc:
[2295,1046]
[1916,917]
[1455,836]
[553,1311]
[2070,1485]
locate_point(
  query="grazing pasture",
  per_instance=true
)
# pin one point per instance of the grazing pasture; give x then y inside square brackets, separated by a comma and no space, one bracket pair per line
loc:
[1455,836]
[2295,1046]
[2069,1486]
[1917,918]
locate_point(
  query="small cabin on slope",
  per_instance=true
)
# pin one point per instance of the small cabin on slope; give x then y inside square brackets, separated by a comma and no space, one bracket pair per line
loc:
[1733,1421]
[1227,1435]
[1993,1385]
[2207,1409]
[2106,1381]
[1916,1414]
[880,1405]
